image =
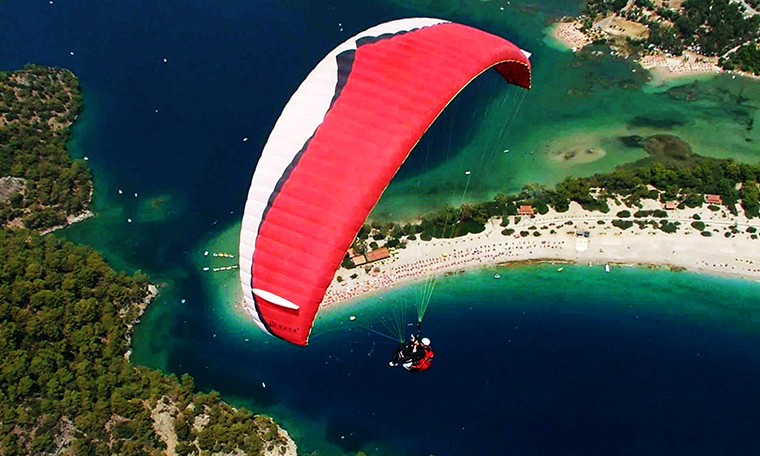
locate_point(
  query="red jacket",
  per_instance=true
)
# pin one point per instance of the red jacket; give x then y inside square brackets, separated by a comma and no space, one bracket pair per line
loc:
[424,363]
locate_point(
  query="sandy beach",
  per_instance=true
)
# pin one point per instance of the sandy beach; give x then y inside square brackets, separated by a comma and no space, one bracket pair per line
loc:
[738,255]
[570,35]
[662,67]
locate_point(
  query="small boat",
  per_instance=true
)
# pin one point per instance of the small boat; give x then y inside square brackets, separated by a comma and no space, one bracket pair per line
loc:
[606,268]
[560,269]
[497,276]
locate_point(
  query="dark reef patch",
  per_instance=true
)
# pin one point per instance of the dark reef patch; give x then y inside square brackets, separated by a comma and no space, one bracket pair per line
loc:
[668,148]
[688,92]
[662,148]
[666,123]
[632,140]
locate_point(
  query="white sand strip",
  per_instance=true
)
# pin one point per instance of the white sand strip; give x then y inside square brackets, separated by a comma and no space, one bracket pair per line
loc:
[738,255]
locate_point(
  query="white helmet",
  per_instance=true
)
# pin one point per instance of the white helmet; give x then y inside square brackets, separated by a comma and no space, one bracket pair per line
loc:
[425,341]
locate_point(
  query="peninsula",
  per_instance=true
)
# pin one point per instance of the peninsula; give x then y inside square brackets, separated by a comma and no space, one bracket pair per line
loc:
[705,240]
[41,187]
[671,38]
[673,209]
[66,317]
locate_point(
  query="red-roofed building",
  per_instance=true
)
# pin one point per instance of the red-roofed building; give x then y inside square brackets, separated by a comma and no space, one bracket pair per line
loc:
[526,210]
[378,254]
[671,205]
[358,260]
[713,199]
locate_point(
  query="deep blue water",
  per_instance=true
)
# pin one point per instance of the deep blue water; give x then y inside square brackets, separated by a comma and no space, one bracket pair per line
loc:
[228,73]
[577,363]
[638,363]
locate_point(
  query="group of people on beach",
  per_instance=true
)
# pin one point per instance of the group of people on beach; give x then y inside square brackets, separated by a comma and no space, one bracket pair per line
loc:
[484,254]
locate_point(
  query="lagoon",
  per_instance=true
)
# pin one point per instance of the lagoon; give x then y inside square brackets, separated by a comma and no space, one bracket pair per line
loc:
[633,361]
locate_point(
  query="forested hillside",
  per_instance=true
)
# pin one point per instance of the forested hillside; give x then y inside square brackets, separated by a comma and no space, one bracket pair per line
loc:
[66,385]
[64,380]
[39,183]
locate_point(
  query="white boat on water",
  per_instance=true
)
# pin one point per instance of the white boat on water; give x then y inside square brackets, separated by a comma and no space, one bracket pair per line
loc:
[606,268]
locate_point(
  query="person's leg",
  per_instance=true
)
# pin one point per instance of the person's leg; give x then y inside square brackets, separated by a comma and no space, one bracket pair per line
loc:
[398,355]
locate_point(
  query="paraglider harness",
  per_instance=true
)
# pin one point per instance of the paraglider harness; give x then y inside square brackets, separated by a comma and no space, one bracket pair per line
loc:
[416,356]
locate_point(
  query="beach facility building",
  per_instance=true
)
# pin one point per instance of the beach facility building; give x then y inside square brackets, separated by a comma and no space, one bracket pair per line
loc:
[378,254]
[358,260]
[713,199]
[526,210]
[671,205]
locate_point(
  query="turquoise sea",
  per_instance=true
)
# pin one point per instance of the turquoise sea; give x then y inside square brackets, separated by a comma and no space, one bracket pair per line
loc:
[538,362]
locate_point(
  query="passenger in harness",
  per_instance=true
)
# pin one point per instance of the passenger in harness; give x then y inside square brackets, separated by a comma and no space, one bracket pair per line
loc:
[415,356]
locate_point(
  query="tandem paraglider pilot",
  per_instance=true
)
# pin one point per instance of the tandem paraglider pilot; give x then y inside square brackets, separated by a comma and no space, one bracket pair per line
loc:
[416,356]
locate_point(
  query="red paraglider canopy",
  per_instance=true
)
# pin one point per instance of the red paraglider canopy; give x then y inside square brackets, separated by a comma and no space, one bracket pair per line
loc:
[359,113]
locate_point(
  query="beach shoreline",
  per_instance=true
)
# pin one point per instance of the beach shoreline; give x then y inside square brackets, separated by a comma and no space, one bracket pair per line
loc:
[662,68]
[70,220]
[568,34]
[142,306]
[563,239]
[667,68]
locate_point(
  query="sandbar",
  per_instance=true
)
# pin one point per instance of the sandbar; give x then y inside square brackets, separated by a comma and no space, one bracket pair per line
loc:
[686,249]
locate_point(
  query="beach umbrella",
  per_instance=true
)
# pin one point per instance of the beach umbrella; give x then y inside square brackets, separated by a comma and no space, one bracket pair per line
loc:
[336,146]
